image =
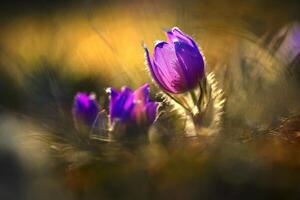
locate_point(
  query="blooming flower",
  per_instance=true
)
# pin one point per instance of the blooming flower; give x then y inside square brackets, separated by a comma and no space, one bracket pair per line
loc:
[86,109]
[132,106]
[177,65]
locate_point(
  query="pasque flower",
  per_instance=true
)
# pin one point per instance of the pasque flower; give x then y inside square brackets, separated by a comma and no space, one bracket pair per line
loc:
[133,107]
[177,65]
[85,109]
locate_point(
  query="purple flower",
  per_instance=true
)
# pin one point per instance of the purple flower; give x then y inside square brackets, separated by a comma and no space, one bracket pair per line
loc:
[177,65]
[132,106]
[86,109]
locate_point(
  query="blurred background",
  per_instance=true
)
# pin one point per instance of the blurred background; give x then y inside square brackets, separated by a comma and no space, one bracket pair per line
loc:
[50,49]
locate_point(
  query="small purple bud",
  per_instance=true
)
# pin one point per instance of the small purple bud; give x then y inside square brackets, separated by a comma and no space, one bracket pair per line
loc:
[86,109]
[132,106]
[177,65]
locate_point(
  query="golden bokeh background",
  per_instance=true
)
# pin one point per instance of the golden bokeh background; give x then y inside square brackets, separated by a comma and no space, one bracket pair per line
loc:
[104,38]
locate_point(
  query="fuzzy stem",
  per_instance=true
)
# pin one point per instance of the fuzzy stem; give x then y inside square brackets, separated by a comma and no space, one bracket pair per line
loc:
[195,101]
[203,94]
[174,99]
[200,100]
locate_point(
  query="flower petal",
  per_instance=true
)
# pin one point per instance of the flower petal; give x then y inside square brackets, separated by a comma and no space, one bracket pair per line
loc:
[176,35]
[153,69]
[121,107]
[167,68]
[142,93]
[191,61]
[113,94]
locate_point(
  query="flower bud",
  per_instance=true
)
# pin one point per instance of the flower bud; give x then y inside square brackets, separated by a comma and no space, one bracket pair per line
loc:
[177,66]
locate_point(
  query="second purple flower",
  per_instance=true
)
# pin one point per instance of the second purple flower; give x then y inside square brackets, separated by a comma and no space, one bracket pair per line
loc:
[132,107]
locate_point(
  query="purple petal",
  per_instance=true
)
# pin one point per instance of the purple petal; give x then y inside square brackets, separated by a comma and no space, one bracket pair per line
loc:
[141,97]
[176,35]
[144,112]
[154,72]
[192,63]
[168,69]
[113,94]
[142,93]
[121,106]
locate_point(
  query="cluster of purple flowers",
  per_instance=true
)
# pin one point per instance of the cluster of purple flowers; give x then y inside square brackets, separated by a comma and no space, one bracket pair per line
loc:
[177,66]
